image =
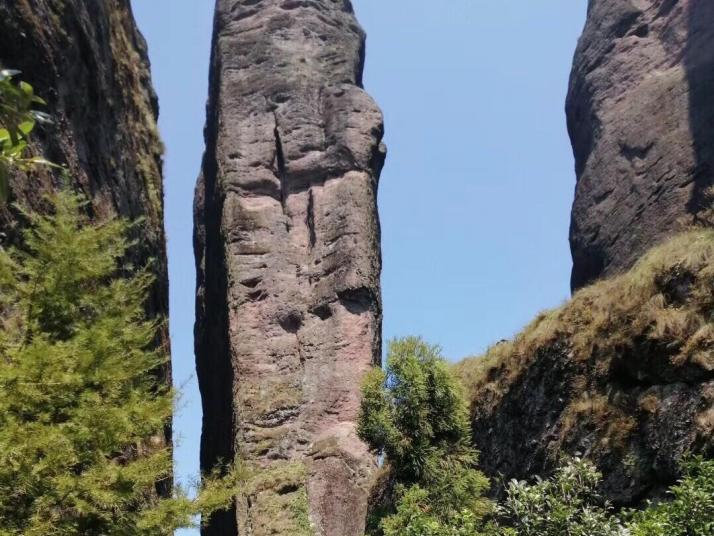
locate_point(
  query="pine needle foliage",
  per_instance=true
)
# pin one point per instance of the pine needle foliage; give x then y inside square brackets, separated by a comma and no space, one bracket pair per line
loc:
[82,411]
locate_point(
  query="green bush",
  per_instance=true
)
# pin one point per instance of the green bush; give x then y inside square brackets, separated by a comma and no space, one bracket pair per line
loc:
[568,504]
[415,517]
[413,412]
[691,510]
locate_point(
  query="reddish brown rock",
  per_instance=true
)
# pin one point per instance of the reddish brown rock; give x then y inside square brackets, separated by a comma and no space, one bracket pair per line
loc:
[288,257]
[641,119]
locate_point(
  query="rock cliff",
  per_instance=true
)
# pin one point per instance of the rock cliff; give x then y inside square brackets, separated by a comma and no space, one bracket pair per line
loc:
[288,258]
[623,373]
[641,117]
[89,62]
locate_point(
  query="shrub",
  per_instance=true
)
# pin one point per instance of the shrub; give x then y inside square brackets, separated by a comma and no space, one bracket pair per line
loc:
[567,504]
[691,510]
[415,517]
[414,413]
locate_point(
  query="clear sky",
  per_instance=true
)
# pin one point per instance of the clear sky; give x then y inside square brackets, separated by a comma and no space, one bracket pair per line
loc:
[476,193]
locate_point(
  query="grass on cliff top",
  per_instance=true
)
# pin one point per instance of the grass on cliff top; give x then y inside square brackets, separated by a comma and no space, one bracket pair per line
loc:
[666,299]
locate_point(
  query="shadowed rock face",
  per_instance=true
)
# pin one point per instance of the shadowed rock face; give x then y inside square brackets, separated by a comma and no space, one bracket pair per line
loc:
[288,257]
[89,62]
[641,119]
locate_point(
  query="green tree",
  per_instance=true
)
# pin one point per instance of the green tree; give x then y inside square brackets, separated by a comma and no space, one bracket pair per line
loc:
[82,412]
[413,412]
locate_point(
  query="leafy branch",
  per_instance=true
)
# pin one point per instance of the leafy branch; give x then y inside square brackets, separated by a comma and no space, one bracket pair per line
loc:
[18,118]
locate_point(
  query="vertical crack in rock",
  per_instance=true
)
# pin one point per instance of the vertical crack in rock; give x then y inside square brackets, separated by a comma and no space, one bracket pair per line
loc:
[288,252]
[640,117]
[281,171]
[310,220]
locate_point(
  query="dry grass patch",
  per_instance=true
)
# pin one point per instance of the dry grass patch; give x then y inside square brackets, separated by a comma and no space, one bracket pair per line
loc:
[665,302]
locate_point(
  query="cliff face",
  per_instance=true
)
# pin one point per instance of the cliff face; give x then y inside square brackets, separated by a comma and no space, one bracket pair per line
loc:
[640,116]
[623,374]
[89,62]
[288,258]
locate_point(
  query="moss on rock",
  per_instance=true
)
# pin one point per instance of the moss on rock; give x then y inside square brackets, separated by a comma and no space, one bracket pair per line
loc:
[275,501]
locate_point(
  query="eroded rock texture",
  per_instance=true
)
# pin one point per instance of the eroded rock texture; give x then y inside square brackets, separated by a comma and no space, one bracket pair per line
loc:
[89,62]
[641,119]
[288,258]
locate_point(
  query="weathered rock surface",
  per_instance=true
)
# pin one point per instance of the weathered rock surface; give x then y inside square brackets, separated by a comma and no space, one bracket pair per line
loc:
[89,62]
[641,118]
[288,257]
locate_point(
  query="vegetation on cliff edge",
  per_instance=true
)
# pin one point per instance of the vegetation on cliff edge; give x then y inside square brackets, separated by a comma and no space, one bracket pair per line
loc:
[414,415]
[651,326]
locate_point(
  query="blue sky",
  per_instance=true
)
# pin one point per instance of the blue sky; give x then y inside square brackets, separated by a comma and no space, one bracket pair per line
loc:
[476,193]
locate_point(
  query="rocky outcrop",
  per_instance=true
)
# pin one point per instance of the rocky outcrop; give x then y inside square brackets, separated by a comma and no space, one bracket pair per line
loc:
[641,118]
[288,258]
[89,62]
[623,374]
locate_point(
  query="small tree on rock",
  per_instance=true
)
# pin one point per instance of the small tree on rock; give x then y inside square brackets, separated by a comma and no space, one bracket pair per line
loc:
[413,413]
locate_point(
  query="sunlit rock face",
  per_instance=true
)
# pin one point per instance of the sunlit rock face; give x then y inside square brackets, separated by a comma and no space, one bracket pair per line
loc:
[287,246]
[641,119]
